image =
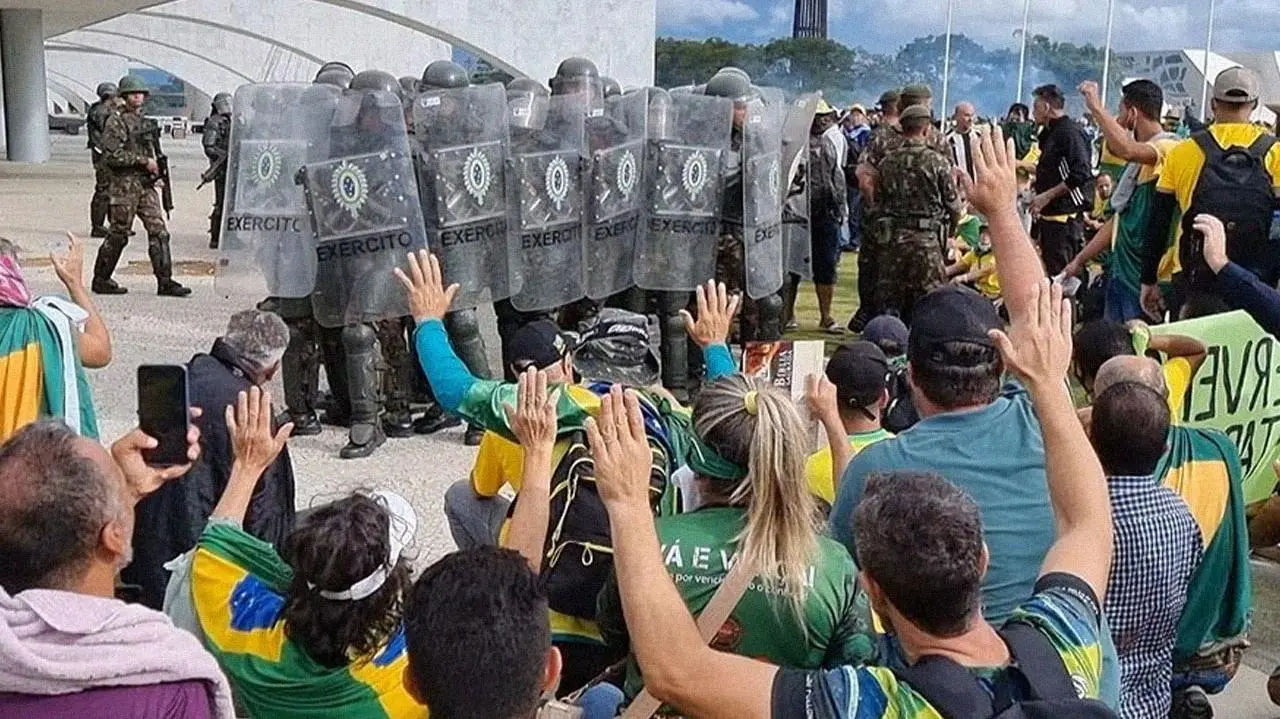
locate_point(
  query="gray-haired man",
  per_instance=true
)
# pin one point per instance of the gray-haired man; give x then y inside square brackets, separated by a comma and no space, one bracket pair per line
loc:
[170,521]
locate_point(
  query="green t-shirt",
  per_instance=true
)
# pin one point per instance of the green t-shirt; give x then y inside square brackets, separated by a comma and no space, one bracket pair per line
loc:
[696,547]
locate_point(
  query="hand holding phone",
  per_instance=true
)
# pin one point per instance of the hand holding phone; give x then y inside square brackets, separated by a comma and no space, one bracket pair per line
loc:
[164,413]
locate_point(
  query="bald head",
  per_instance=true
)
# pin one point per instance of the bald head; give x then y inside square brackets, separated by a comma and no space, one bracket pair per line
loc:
[1130,368]
[964,117]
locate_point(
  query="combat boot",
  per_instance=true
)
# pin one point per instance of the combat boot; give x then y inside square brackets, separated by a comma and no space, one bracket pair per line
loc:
[398,425]
[162,265]
[363,441]
[366,434]
[306,425]
[473,436]
[103,267]
[434,420]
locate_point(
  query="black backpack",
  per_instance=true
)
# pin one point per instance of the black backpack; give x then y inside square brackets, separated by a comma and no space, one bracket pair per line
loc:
[901,414]
[1235,187]
[1037,673]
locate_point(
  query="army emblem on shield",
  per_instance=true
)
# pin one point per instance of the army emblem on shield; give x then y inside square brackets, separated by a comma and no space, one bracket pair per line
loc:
[350,187]
[775,180]
[557,182]
[626,174]
[267,167]
[477,175]
[694,175]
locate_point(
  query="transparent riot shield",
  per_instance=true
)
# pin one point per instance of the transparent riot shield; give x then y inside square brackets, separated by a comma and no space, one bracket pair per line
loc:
[545,246]
[365,214]
[796,233]
[762,192]
[461,135]
[689,138]
[266,248]
[615,199]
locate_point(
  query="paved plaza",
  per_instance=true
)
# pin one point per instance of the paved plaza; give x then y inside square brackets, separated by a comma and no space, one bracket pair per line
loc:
[39,202]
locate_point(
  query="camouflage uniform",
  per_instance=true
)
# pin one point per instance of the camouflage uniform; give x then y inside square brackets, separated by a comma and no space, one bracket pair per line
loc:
[917,204]
[884,140]
[216,139]
[99,113]
[760,319]
[127,145]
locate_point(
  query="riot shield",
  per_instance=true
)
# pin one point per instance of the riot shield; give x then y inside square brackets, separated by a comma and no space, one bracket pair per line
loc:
[762,191]
[616,141]
[365,215]
[461,137]
[688,141]
[266,235]
[797,249]
[546,210]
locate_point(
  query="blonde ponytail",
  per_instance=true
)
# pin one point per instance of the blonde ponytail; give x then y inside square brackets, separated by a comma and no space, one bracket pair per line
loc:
[752,424]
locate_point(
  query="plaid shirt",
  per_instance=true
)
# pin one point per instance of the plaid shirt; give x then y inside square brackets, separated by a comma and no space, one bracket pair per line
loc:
[1157,549]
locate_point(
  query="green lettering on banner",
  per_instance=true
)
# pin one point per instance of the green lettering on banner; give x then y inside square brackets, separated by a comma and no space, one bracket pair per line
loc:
[1232,392]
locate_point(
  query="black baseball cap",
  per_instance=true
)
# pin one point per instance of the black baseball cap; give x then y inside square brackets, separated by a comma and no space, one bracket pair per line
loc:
[860,372]
[950,314]
[538,344]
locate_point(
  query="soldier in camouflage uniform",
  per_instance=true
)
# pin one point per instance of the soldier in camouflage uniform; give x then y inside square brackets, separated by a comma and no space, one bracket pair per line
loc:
[918,205]
[98,114]
[128,149]
[886,138]
[216,140]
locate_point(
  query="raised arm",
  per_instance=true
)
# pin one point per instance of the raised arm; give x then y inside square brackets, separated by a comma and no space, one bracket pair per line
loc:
[1101,242]
[1121,142]
[1239,287]
[994,193]
[94,343]
[1038,350]
[678,667]
[710,330]
[533,420]
[255,448]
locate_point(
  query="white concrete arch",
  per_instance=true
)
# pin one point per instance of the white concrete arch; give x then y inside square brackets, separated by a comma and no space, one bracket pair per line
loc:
[82,90]
[194,70]
[85,66]
[307,27]
[62,96]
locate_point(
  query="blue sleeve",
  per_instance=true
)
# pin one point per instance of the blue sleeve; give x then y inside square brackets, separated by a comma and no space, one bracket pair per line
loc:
[1244,291]
[719,361]
[446,373]
[840,524]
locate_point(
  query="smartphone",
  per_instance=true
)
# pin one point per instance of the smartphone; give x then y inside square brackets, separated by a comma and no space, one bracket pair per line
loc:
[164,412]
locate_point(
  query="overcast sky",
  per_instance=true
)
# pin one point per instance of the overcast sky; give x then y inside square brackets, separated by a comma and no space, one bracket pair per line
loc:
[884,25]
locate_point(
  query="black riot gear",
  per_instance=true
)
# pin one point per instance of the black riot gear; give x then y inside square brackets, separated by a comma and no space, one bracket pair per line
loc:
[444,75]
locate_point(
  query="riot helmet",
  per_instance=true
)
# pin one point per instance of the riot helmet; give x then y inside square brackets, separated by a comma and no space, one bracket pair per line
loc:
[576,74]
[130,84]
[731,83]
[610,87]
[222,103]
[107,90]
[527,104]
[335,73]
[377,80]
[444,75]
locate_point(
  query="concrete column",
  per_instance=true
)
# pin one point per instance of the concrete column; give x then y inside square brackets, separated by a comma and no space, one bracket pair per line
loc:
[26,105]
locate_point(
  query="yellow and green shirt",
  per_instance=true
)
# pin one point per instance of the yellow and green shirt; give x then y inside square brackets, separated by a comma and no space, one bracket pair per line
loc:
[239,585]
[818,467]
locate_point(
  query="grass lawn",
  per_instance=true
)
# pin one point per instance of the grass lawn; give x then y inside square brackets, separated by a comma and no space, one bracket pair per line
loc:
[842,306]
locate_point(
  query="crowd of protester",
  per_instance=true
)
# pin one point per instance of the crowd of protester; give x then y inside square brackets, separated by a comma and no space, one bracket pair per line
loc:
[964,540]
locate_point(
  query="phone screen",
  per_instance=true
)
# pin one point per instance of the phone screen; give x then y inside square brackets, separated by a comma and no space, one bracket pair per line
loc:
[163,412]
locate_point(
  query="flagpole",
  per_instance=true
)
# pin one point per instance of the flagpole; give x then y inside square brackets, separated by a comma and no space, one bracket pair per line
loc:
[1208,47]
[946,61]
[1106,57]
[1022,54]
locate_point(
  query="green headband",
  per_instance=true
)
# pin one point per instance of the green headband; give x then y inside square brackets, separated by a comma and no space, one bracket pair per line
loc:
[706,462]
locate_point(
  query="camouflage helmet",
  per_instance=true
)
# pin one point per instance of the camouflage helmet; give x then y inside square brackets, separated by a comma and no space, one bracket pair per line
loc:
[444,75]
[733,85]
[372,80]
[222,103]
[527,104]
[575,74]
[130,84]
[611,87]
[106,90]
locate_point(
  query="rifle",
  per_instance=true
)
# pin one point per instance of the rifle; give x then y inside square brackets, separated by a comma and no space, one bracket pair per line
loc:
[162,161]
[208,175]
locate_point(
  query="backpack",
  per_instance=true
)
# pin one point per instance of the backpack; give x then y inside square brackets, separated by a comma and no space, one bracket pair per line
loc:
[1037,673]
[901,414]
[578,551]
[1234,186]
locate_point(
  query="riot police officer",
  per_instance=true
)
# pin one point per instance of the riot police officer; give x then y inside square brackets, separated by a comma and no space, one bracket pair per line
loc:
[97,115]
[216,140]
[338,74]
[761,319]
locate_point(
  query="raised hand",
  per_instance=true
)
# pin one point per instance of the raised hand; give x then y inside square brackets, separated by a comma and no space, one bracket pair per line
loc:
[1215,241]
[253,443]
[141,478]
[533,419]
[1038,346]
[995,165]
[70,265]
[716,309]
[429,299]
[621,451]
